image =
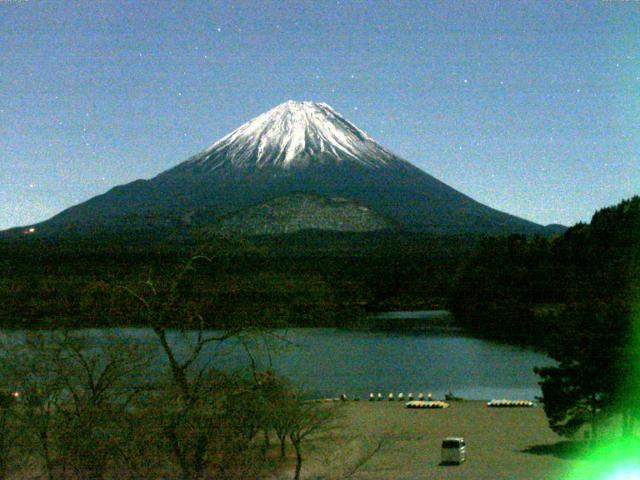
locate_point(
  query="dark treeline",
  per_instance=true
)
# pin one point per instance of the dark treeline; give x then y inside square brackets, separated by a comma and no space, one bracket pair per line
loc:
[516,288]
[307,279]
[572,296]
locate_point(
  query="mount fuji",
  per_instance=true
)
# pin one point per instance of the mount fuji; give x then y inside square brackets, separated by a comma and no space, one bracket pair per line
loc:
[298,166]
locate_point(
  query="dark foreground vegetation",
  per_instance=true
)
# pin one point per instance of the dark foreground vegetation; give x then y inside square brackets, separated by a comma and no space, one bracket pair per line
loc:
[77,410]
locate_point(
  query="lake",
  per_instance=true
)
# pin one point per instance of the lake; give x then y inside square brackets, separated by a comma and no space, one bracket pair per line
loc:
[328,361]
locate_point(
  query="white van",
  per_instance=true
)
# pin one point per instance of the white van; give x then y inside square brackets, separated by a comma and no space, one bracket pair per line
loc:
[453,450]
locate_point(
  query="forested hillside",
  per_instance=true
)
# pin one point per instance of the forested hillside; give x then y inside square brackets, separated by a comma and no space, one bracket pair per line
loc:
[520,289]
[310,278]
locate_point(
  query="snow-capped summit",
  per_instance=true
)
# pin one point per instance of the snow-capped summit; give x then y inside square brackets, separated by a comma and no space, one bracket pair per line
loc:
[299,165]
[294,134]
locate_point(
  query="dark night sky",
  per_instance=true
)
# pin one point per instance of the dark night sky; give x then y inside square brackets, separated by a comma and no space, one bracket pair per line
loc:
[529,107]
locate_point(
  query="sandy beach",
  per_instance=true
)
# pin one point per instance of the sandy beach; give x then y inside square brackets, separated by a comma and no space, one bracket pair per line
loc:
[509,443]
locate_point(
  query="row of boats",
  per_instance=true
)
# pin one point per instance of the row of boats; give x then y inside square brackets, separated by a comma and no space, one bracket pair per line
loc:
[428,402]
[400,397]
[510,403]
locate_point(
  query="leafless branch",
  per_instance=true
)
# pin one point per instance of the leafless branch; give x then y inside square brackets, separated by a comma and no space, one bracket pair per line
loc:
[364,459]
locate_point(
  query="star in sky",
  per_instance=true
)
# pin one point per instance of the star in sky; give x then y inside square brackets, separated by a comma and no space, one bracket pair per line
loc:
[302,50]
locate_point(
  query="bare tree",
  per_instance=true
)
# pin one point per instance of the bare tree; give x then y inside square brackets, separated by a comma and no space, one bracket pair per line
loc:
[351,470]
[306,419]
[274,397]
[74,400]
[88,412]
[99,388]
[29,370]
[197,415]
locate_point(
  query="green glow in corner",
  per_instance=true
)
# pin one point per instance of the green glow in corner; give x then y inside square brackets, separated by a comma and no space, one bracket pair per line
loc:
[625,474]
[617,458]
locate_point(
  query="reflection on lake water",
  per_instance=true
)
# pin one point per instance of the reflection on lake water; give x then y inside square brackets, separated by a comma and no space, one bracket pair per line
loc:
[328,361]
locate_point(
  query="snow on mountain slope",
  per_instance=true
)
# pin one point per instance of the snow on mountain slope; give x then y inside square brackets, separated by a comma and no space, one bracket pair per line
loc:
[292,135]
[296,147]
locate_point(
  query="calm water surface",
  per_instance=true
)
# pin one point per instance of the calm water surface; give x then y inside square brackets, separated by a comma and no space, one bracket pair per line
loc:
[329,361]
